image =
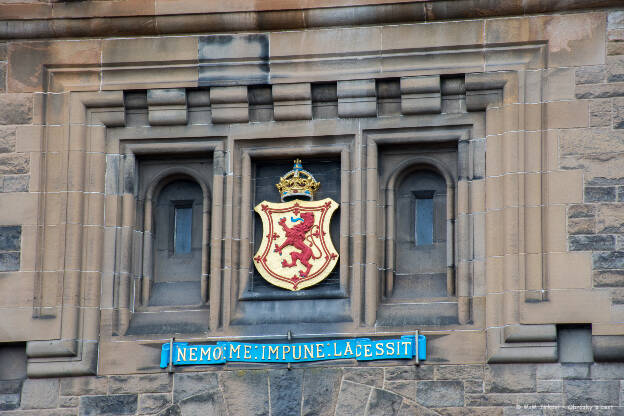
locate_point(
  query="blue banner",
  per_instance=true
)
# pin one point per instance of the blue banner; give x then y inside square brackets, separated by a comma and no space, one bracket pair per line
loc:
[361,349]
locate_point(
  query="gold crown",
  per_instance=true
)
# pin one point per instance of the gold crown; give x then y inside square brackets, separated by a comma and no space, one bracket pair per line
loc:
[298,183]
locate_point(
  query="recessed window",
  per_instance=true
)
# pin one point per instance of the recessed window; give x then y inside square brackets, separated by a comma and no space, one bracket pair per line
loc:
[423,219]
[183,218]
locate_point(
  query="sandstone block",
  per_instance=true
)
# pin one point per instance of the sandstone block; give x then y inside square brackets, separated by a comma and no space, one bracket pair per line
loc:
[320,390]
[510,378]
[352,398]
[7,139]
[357,98]
[581,226]
[14,163]
[9,261]
[423,372]
[40,393]
[10,237]
[370,376]
[615,68]
[191,384]
[286,389]
[610,278]
[383,402]
[209,403]
[9,401]
[440,393]
[591,392]
[615,89]
[118,404]
[228,50]
[151,403]
[599,193]
[609,219]
[69,401]
[16,108]
[405,388]
[591,242]
[458,372]
[590,74]
[549,386]
[250,384]
[608,260]
[421,95]
[149,383]
[581,211]
[79,386]
[16,183]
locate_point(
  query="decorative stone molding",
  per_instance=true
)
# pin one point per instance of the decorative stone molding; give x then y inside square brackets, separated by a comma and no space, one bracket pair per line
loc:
[421,95]
[167,106]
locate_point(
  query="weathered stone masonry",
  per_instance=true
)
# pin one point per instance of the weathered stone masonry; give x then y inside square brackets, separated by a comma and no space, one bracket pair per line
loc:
[522,100]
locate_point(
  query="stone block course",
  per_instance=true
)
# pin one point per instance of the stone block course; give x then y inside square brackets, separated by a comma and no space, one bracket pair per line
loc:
[608,260]
[510,378]
[370,376]
[599,194]
[151,403]
[40,393]
[113,405]
[591,392]
[16,109]
[7,139]
[80,386]
[14,163]
[444,393]
[149,383]
[592,242]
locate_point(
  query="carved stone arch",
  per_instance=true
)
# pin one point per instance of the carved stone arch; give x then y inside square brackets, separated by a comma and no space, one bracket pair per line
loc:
[164,178]
[404,169]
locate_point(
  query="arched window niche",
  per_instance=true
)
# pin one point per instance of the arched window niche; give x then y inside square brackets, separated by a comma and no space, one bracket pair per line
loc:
[176,240]
[420,236]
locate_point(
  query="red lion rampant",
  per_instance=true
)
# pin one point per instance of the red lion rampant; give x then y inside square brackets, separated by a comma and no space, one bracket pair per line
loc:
[296,236]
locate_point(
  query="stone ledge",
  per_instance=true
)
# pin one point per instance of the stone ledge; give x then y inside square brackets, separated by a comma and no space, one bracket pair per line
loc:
[134,17]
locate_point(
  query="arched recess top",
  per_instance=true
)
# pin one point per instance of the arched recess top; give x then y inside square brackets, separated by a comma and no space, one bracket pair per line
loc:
[169,175]
[420,163]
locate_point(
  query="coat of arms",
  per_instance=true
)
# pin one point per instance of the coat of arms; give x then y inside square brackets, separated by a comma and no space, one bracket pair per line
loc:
[296,250]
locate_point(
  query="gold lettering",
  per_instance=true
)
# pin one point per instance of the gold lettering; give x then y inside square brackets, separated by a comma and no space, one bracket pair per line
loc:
[308,351]
[294,353]
[390,348]
[247,353]
[217,353]
[348,350]
[379,348]
[182,354]
[193,354]
[335,351]
[406,344]
[234,349]
[204,352]
[319,350]
[285,350]
[274,351]
[263,348]
[357,350]
[367,350]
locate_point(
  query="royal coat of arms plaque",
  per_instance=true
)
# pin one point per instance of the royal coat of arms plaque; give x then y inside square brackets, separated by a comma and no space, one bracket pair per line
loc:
[296,251]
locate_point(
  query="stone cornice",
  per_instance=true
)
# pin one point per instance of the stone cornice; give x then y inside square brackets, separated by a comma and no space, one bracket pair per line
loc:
[159,17]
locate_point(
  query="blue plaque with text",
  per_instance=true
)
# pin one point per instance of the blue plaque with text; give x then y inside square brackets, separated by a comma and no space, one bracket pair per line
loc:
[362,349]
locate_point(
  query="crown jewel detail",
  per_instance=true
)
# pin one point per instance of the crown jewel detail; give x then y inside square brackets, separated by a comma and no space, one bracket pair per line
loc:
[297,183]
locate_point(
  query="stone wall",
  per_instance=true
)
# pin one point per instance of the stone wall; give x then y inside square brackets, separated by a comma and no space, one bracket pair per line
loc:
[597,225]
[503,389]
[584,134]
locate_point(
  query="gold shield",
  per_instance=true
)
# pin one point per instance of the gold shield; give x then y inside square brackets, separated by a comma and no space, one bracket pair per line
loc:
[296,249]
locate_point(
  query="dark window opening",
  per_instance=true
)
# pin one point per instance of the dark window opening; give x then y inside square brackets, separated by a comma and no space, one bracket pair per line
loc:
[423,218]
[183,225]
